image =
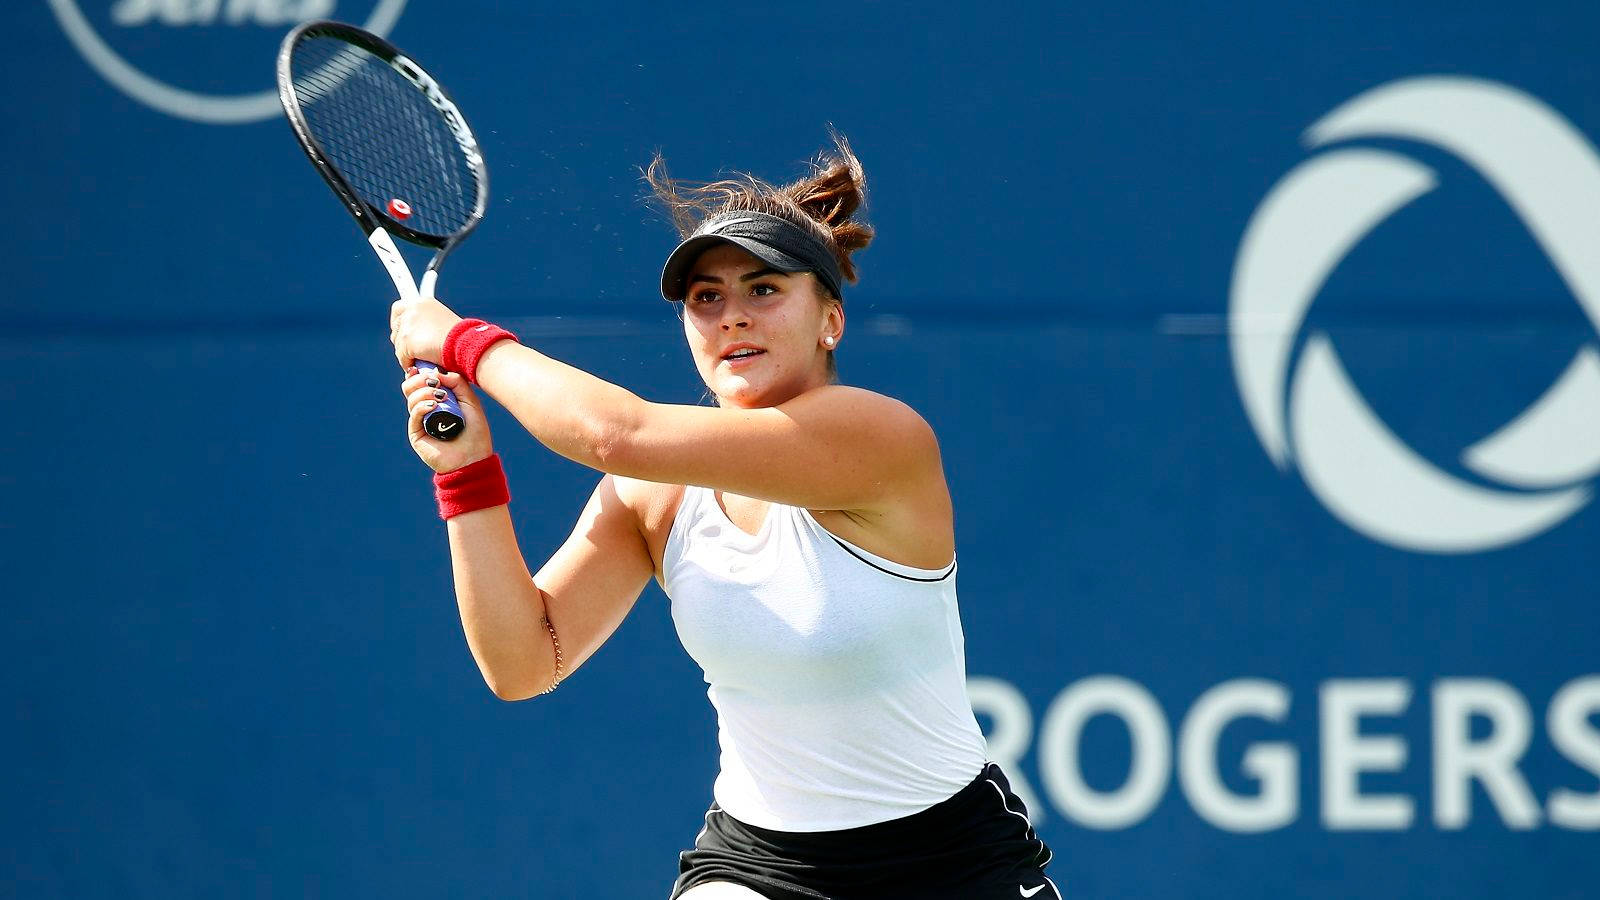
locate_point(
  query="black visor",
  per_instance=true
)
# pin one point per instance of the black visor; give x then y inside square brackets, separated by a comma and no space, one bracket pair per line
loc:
[775,241]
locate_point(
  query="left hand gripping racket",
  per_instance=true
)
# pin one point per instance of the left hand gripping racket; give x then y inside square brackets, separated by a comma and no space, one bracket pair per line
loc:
[394,147]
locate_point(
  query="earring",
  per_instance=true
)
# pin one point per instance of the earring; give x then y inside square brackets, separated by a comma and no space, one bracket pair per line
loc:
[828,340]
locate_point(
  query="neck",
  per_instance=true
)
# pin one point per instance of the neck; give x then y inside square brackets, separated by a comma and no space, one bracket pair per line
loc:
[778,396]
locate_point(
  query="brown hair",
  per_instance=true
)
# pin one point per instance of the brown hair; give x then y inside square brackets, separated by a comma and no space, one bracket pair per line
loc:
[824,202]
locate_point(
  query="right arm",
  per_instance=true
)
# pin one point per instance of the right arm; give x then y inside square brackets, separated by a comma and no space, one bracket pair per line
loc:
[586,589]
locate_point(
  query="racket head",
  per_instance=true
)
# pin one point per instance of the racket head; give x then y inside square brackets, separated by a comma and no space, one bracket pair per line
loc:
[380,129]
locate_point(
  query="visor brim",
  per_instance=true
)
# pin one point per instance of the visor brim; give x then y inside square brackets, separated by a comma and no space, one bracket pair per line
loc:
[675,274]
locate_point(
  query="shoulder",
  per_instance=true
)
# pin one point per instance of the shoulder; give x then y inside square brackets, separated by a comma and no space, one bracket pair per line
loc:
[847,396]
[653,503]
[880,414]
[654,507]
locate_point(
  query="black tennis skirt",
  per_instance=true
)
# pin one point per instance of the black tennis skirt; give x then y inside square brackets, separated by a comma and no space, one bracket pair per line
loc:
[977,845]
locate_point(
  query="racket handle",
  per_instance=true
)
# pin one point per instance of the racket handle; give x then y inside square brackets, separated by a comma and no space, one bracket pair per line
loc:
[445,422]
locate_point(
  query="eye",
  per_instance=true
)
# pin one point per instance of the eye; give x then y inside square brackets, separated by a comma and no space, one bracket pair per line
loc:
[763,289]
[706,296]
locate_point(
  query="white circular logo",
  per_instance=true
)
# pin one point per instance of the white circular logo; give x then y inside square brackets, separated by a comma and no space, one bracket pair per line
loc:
[1542,460]
[185,104]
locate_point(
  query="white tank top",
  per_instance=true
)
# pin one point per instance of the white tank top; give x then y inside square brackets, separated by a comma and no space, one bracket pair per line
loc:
[838,676]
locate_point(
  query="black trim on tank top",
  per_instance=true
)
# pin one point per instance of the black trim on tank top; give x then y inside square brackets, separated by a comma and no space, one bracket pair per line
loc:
[850,550]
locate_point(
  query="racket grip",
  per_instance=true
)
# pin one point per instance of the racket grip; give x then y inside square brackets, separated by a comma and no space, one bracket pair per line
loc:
[445,422]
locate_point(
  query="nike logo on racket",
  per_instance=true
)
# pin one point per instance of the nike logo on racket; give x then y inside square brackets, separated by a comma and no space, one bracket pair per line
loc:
[446,426]
[1027,892]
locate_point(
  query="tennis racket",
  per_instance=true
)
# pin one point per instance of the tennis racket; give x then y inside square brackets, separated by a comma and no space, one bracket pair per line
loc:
[394,148]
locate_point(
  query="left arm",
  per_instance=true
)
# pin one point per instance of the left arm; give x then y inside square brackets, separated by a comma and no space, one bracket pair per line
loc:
[834,447]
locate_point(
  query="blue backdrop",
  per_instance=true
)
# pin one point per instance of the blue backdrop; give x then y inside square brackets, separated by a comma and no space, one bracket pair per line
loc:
[1264,597]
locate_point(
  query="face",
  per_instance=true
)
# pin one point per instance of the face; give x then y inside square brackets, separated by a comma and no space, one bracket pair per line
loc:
[757,333]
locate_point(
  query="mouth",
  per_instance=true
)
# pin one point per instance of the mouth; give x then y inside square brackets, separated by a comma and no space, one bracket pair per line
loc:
[741,353]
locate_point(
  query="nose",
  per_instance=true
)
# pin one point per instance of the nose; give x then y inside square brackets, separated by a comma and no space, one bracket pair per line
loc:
[734,316]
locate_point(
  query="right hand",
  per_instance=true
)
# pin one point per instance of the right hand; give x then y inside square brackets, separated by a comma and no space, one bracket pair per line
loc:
[446,456]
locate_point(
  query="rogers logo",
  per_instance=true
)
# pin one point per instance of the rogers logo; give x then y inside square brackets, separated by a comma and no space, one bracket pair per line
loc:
[1308,413]
[193,16]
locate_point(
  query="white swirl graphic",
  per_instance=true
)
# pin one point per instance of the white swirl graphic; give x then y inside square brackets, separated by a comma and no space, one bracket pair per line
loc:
[197,107]
[1311,219]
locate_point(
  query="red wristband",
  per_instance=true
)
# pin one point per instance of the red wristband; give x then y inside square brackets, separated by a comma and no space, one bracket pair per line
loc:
[467,342]
[479,485]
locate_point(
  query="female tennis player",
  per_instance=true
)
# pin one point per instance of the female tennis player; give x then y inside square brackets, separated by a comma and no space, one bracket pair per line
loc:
[803,531]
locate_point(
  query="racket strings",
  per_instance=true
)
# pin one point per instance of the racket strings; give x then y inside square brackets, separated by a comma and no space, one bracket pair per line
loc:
[381,132]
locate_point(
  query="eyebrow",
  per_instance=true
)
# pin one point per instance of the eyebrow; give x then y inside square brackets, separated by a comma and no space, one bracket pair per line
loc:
[759,273]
